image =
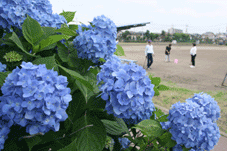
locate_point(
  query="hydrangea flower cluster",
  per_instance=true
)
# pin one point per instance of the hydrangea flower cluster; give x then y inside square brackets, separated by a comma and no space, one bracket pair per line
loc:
[192,123]
[210,105]
[96,42]
[127,90]
[2,67]
[35,98]
[14,13]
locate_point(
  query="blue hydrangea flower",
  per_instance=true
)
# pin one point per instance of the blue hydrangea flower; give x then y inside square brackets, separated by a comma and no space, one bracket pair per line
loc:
[209,104]
[5,125]
[35,97]
[14,13]
[125,142]
[2,67]
[127,90]
[177,148]
[190,126]
[96,42]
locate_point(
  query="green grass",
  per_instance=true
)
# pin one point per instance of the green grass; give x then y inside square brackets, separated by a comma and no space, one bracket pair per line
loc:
[176,94]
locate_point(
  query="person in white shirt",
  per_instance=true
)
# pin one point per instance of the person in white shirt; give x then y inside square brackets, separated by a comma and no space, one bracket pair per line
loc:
[193,55]
[148,53]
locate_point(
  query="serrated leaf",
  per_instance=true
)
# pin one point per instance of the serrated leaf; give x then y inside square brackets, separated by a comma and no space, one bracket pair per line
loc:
[32,30]
[90,135]
[78,77]
[73,27]
[166,141]
[33,141]
[51,40]
[151,128]
[3,76]
[17,41]
[95,102]
[49,61]
[112,127]
[68,15]
[66,31]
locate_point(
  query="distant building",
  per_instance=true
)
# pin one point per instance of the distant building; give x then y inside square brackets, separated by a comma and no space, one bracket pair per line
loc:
[208,35]
[173,31]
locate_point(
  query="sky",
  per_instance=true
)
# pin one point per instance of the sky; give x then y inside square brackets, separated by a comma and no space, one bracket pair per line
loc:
[200,15]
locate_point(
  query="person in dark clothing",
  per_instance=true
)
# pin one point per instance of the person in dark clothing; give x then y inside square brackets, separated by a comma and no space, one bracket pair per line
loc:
[167,52]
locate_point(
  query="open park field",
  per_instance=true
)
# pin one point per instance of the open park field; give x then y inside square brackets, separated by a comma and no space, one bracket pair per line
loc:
[210,69]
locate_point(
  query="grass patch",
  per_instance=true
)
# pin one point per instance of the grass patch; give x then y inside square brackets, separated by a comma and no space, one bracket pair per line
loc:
[176,94]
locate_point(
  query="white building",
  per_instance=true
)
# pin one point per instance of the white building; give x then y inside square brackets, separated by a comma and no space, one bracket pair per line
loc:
[173,31]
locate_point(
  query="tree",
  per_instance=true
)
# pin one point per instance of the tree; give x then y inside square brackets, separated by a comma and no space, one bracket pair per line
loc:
[163,33]
[147,34]
[125,35]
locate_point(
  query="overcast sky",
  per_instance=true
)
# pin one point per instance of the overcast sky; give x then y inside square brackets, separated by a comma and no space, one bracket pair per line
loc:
[200,15]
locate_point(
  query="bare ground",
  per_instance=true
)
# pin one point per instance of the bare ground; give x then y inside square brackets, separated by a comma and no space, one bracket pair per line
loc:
[210,65]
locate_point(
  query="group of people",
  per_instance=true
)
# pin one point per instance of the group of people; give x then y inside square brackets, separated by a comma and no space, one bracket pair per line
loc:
[149,53]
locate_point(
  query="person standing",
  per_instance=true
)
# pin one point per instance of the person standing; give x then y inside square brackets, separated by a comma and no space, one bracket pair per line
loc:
[167,52]
[148,53]
[193,55]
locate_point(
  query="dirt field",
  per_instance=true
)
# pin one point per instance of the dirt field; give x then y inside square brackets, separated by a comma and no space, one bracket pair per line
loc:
[210,65]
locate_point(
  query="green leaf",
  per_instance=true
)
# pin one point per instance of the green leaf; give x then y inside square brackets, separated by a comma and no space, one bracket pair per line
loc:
[151,128]
[78,77]
[90,134]
[112,127]
[163,118]
[51,40]
[95,102]
[63,52]
[102,60]
[32,30]
[17,41]
[3,76]
[78,106]
[73,27]
[48,31]
[68,15]
[119,51]
[156,92]
[158,112]
[86,93]
[33,141]
[166,141]
[156,81]
[124,127]
[66,31]
[49,61]
[162,88]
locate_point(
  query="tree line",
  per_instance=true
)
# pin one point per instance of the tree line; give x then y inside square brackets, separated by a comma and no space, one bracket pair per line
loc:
[164,37]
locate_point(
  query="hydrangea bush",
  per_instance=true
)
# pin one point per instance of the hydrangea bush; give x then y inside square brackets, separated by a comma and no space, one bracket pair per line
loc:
[52,92]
